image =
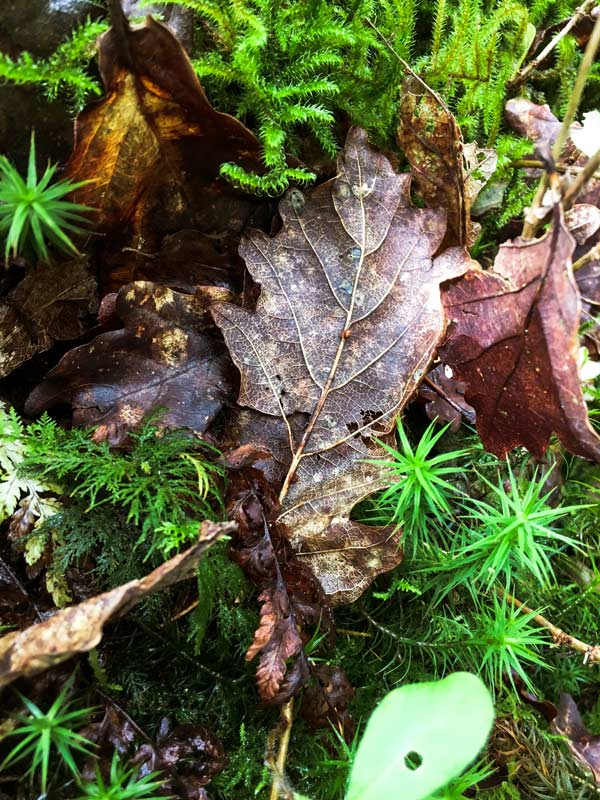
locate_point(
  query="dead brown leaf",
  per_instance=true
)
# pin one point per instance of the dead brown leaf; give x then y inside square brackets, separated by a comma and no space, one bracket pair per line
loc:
[152,148]
[79,628]
[53,302]
[445,398]
[514,341]
[448,173]
[164,357]
[347,321]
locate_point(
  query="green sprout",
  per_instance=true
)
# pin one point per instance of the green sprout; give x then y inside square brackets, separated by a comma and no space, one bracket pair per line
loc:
[34,212]
[123,784]
[420,495]
[42,732]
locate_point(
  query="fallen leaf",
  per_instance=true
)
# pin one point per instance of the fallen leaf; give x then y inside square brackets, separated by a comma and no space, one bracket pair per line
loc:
[276,639]
[164,357]
[79,628]
[153,147]
[445,398]
[190,756]
[583,220]
[532,121]
[348,319]
[513,339]
[448,173]
[326,699]
[565,720]
[292,599]
[53,303]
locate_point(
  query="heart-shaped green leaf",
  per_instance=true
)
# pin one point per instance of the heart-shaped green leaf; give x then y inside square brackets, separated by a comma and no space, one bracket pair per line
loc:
[420,737]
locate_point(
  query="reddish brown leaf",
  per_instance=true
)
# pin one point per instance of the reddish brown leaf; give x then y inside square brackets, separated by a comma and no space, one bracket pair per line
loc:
[514,341]
[153,148]
[532,121]
[445,398]
[326,700]
[583,220]
[448,173]
[79,628]
[54,302]
[347,321]
[276,639]
[164,357]
[584,745]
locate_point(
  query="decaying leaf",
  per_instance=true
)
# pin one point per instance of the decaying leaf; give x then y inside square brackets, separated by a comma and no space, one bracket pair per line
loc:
[152,148]
[277,639]
[565,720]
[164,357]
[347,321]
[445,398]
[448,173]
[583,220]
[53,302]
[292,599]
[514,341]
[79,628]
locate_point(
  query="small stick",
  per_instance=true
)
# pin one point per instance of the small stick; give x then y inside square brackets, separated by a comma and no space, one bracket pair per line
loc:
[532,220]
[591,255]
[591,653]
[523,73]
[286,720]
[533,163]
[588,171]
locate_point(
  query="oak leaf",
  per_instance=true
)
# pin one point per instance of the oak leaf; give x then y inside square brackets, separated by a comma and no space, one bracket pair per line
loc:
[165,356]
[79,628]
[513,339]
[346,324]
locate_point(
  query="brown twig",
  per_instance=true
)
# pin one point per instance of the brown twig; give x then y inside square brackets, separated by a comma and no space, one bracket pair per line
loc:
[532,217]
[588,171]
[591,255]
[532,65]
[534,163]
[278,788]
[591,653]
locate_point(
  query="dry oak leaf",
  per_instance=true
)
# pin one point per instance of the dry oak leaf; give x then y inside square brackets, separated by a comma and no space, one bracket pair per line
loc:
[164,357]
[79,628]
[448,173]
[513,339]
[53,302]
[347,321]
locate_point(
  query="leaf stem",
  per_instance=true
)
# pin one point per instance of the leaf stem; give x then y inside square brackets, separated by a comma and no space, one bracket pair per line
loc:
[524,73]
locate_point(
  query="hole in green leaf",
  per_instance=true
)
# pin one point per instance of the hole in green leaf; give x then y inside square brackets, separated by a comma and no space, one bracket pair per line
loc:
[413,761]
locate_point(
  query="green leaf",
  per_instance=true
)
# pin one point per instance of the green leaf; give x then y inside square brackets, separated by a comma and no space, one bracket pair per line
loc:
[439,726]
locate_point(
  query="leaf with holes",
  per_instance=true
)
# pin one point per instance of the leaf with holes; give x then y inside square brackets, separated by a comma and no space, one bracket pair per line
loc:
[346,324]
[420,737]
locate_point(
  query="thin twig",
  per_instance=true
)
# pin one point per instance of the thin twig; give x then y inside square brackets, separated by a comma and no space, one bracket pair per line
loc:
[532,217]
[523,73]
[591,255]
[534,163]
[588,172]
[591,653]
[285,731]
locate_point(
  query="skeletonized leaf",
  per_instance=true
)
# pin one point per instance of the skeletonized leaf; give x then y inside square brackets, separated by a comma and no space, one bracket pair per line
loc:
[513,340]
[79,628]
[347,321]
[164,357]
[449,174]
